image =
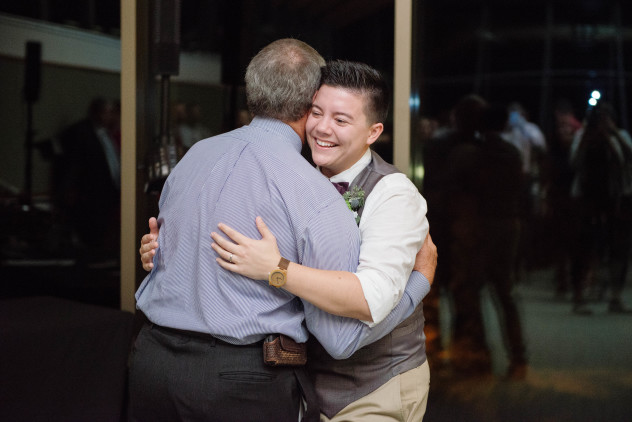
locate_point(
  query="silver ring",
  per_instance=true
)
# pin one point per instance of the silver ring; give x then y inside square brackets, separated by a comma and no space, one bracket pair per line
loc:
[230,259]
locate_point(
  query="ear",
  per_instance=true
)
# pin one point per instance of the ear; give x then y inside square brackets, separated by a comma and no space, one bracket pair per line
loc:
[375,130]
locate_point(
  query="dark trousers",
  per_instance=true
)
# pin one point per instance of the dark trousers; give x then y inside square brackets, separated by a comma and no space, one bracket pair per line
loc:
[503,237]
[176,377]
[484,251]
[468,351]
[602,226]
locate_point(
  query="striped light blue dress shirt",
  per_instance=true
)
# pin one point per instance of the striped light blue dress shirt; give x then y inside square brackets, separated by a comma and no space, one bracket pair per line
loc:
[256,170]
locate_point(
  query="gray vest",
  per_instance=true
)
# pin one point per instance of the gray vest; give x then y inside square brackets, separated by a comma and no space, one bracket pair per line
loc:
[341,382]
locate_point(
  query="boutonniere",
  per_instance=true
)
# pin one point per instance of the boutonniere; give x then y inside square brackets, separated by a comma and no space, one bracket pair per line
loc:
[354,198]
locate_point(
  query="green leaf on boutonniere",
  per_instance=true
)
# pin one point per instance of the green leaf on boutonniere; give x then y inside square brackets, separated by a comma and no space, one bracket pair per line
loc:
[354,198]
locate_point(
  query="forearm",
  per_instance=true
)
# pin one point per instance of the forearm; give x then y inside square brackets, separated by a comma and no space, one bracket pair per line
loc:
[336,292]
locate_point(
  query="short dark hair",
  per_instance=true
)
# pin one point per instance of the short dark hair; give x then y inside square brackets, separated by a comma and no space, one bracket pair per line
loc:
[362,79]
[282,78]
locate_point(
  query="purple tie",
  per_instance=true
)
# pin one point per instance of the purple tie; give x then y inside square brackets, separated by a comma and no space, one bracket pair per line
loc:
[341,186]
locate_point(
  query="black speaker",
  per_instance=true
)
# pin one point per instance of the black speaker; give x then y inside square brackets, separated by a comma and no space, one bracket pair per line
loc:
[165,39]
[32,72]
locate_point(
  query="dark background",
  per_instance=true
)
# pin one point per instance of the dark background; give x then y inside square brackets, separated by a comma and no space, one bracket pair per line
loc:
[534,52]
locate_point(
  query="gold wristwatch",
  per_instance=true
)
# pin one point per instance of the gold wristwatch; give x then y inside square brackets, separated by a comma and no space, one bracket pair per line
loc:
[278,277]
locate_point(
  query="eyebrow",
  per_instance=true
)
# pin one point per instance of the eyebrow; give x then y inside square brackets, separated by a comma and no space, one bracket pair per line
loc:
[335,113]
[348,116]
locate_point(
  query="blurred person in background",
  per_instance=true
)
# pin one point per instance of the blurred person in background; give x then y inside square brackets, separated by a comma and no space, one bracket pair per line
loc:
[601,157]
[559,176]
[451,189]
[527,137]
[88,183]
[500,196]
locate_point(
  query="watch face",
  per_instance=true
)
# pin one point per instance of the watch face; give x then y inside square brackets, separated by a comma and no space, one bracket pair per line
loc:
[277,278]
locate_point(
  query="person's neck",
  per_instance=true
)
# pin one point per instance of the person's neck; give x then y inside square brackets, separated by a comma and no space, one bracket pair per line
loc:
[299,127]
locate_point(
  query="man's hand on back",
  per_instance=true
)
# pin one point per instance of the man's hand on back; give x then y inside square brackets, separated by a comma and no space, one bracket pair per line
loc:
[148,245]
[426,259]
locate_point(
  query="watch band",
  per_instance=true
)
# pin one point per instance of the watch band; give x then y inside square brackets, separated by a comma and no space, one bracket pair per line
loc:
[283,263]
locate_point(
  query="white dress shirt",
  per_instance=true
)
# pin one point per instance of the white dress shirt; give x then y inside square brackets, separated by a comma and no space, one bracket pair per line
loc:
[392,229]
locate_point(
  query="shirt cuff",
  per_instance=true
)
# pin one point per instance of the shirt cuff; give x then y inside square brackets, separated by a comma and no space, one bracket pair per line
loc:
[418,287]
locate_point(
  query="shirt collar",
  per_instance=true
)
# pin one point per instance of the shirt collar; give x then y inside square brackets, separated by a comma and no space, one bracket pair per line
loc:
[349,174]
[284,130]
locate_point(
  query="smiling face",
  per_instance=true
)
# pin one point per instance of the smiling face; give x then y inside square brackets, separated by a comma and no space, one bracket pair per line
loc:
[338,132]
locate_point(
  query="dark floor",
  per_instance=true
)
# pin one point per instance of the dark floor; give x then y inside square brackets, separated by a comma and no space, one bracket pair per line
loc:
[92,283]
[580,366]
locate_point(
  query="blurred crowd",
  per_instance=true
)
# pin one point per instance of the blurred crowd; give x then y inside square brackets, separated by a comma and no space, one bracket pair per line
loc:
[86,185]
[504,198]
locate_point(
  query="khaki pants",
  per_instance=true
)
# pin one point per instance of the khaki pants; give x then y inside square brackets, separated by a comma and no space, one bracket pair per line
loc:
[403,398]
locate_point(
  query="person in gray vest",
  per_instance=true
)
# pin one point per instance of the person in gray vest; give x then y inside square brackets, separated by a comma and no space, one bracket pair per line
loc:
[340,343]
[388,379]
